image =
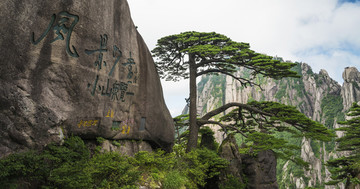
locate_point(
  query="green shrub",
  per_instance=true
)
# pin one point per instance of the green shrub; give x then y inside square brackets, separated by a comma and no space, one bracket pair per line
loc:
[208,139]
[174,180]
[203,164]
[106,170]
[73,150]
[116,143]
[71,166]
[70,175]
[100,140]
[112,170]
[67,166]
[232,183]
[18,169]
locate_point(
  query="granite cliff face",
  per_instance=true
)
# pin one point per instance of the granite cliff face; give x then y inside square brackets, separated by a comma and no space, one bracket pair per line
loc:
[351,88]
[76,68]
[315,94]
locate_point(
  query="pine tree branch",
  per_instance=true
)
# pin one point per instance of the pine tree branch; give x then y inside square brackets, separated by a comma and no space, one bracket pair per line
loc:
[241,80]
[208,61]
[223,126]
[233,104]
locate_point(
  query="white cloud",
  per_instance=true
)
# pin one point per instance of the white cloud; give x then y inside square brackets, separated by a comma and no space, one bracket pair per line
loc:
[323,33]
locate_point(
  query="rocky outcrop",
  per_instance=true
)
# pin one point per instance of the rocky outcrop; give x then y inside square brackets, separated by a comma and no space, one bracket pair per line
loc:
[229,150]
[351,87]
[76,68]
[126,147]
[260,170]
[254,171]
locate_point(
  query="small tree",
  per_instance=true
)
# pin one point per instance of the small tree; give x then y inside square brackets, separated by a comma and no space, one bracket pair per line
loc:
[348,168]
[181,123]
[189,55]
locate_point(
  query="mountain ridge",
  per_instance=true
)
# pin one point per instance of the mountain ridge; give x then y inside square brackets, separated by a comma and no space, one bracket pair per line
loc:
[317,95]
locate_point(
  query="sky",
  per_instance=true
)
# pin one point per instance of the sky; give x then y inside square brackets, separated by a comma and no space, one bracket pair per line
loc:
[322,33]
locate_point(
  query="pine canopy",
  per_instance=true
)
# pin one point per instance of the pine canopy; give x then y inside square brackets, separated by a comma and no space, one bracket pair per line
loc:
[213,54]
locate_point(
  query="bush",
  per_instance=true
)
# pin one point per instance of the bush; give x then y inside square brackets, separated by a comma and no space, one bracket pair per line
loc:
[232,182]
[17,170]
[71,166]
[67,166]
[174,180]
[188,170]
[202,164]
[70,175]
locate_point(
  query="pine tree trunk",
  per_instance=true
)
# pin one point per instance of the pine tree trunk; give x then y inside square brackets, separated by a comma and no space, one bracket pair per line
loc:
[194,129]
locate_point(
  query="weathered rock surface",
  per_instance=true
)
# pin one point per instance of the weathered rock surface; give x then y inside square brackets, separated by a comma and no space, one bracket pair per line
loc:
[126,147]
[229,150]
[257,171]
[260,170]
[76,68]
[351,87]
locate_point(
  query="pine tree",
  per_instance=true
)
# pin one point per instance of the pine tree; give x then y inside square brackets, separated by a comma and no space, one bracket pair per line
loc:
[189,55]
[347,169]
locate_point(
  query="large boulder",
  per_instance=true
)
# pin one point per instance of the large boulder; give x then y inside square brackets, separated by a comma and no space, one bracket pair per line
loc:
[76,68]
[229,150]
[260,170]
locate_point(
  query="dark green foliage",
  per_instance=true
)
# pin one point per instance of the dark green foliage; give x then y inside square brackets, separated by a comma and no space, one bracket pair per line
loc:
[35,167]
[17,170]
[214,52]
[203,164]
[261,128]
[100,140]
[232,183]
[72,150]
[181,123]
[193,54]
[179,169]
[263,141]
[347,169]
[67,166]
[174,180]
[158,160]
[291,116]
[208,139]
[111,170]
[71,166]
[70,175]
[155,167]
[278,117]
